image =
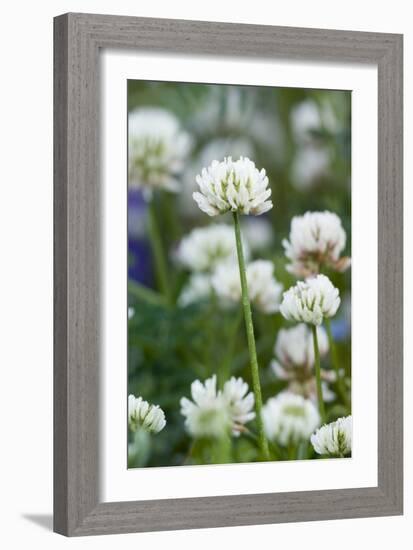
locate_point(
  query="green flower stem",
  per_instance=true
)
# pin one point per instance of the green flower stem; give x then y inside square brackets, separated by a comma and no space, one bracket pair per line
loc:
[225,369]
[190,453]
[221,450]
[256,386]
[158,253]
[292,451]
[318,375]
[334,360]
[302,451]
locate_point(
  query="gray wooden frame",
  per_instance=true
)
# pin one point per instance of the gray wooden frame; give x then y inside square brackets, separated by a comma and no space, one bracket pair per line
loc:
[78,40]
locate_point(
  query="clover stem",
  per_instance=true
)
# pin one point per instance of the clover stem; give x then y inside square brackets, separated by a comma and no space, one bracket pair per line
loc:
[256,386]
[225,368]
[318,375]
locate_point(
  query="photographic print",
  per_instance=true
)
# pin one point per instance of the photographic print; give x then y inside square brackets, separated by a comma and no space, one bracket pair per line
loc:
[239,274]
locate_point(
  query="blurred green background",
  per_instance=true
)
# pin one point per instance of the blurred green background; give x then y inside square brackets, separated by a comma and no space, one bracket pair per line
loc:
[302,138]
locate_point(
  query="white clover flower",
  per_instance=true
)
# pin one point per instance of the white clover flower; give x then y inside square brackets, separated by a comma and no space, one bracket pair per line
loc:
[264,290]
[216,148]
[289,418]
[316,239]
[294,350]
[197,288]
[310,301]
[205,247]
[258,233]
[235,186]
[215,413]
[240,403]
[207,415]
[334,439]
[141,414]
[158,148]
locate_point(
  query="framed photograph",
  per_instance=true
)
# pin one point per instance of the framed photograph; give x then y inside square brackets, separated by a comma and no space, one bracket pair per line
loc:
[228,274]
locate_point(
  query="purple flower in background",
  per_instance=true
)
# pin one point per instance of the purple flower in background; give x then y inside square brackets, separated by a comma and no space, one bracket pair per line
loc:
[340,329]
[341,326]
[139,256]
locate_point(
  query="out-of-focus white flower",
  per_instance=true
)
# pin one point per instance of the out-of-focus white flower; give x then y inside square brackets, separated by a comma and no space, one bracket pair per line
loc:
[205,247]
[308,118]
[197,288]
[334,439]
[264,290]
[289,418]
[226,283]
[227,108]
[309,165]
[240,403]
[158,148]
[294,350]
[305,119]
[226,147]
[235,186]
[268,133]
[310,301]
[258,233]
[316,239]
[294,346]
[141,414]
[215,413]
[207,415]
[308,388]
[131,312]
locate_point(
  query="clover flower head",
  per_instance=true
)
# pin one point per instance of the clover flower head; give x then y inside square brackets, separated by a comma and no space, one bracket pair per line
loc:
[240,403]
[334,439]
[216,148]
[158,148]
[205,247]
[141,414]
[289,418]
[263,289]
[233,186]
[310,301]
[213,413]
[197,289]
[316,240]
